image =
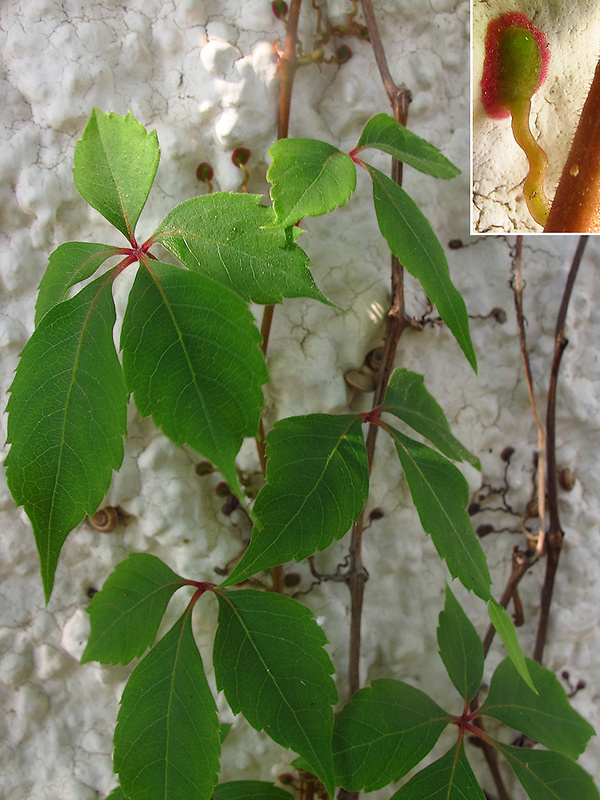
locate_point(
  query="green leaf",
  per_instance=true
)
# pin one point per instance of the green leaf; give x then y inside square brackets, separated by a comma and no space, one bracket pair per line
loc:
[546,717]
[167,736]
[67,418]
[317,483]
[384,133]
[117,794]
[115,164]
[506,630]
[383,732]
[126,613]
[448,778]
[191,357]
[271,663]
[440,494]
[546,775]
[410,238]
[309,178]
[69,264]
[408,399]
[249,790]
[461,648]
[225,236]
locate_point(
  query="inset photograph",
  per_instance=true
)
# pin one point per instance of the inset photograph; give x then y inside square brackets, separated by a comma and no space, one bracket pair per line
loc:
[536,117]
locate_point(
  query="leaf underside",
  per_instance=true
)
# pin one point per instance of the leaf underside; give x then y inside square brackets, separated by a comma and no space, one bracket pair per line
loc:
[448,778]
[67,418]
[126,613]
[225,236]
[461,649]
[440,494]
[270,661]
[385,730]
[167,736]
[191,357]
[506,630]
[317,483]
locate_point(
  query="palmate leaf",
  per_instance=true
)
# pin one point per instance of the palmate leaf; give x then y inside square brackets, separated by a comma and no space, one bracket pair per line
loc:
[383,732]
[461,649]
[270,661]
[191,358]
[408,399]
[309,178]
[546,775]
[448,778]
[115,164]
[69,264]
[384,133]
[546,717]
[224,236]
[126,613]
[506,630]
[317,483]
[440,494]
[167,735]
[411,239]
[249,790]
[67,418]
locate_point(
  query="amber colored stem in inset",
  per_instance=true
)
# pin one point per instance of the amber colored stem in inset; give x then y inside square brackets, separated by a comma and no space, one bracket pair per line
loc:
[576,206]
[533,189]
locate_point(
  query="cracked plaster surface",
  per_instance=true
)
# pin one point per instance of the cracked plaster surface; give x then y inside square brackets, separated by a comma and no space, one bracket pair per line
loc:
[203,75]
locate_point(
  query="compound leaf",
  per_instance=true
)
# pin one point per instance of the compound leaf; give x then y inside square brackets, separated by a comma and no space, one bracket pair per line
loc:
[115,164]
[546,717]
[440,494]
[448,778]
[67,418]
[69,264]
[309,178]
[546,775]
[408,399]
[411,239]
[226,236]
[317,483]
[506,630]
[461,648]
[249,790]
[191,357]
[385,133]
[383,732]
[270,662]
[167,736]
[126,613]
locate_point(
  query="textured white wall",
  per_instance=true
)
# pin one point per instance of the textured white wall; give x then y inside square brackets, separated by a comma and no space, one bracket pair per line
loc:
[202,74]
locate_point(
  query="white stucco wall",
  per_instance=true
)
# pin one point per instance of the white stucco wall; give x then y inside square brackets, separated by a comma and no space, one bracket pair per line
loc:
[203,74]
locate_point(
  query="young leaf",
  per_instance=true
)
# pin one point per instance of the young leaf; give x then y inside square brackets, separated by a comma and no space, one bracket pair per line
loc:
[383,732]
[448,778]
[384,133]
[67,418]
[115,164]
[461,648]
[249,790]
[309,178]
[126,613]
[192,360]
[410,238]
[317,483]
[546,775]
[226,236]
[505,629]
[270,662]
[408,399]
[546,717]
[69,264]
[167,736]
[440,494]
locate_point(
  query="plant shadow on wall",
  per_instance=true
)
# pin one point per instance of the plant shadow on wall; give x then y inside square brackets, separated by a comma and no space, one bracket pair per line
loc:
[193,359]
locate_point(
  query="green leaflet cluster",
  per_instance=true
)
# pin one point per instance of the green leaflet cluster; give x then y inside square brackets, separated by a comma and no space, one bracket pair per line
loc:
[192,359]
